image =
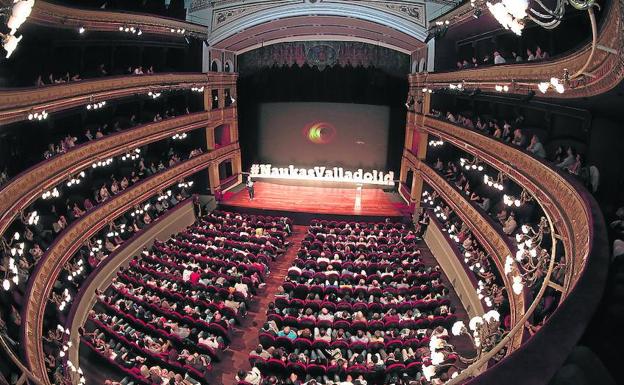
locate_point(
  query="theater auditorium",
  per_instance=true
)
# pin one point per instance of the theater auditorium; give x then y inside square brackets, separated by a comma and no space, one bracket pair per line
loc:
[311,192]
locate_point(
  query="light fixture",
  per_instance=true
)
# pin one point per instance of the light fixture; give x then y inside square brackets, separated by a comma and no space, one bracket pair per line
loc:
[19,13]
[179,136]
[81,30]
[154,95]
[495,183]
[95,106]
[474,164]
[38,115]
[436,143]
[510,14]
[510,200]
[501,88]
[132,155]
[102,163]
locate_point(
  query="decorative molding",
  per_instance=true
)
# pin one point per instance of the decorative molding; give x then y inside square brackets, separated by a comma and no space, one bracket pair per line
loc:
[605,71]
[29,185]
[492,239]
[16,104]
[45,13]
[43,278]
[225,15]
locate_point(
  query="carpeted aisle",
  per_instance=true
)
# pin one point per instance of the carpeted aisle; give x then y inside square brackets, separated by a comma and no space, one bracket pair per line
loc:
[245,337]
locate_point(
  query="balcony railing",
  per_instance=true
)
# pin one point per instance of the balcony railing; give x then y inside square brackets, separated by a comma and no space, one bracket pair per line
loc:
[44,276]
[17,104]
[604,71]
[493,239]
[577,222]
[104,20]
[26,187]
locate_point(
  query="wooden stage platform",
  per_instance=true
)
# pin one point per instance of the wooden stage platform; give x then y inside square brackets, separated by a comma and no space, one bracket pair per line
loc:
[322,202]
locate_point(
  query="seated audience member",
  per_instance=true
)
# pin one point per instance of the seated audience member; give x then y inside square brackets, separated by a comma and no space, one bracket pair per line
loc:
[536,147]
[510,224]
[498,59]
[569,160]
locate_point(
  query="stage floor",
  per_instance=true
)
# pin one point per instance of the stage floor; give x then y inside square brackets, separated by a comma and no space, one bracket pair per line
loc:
[316,200]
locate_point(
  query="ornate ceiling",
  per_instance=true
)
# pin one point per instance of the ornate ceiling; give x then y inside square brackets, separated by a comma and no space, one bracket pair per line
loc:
[240,26]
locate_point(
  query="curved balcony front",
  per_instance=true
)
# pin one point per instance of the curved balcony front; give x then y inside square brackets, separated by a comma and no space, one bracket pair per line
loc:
[605,70]
[45,274]
[26,187]
[104,20]
[580,227]
[493,239]
[17,104]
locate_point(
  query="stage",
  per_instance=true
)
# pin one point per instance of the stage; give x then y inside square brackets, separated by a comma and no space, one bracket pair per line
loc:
[304,202]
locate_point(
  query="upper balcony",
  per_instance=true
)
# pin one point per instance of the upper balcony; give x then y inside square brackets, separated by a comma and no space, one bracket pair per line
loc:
[592,69]
[18,104]
[45,13]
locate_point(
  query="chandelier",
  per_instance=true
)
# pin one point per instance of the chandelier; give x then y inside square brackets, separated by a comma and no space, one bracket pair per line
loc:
[513,14]
[16,16]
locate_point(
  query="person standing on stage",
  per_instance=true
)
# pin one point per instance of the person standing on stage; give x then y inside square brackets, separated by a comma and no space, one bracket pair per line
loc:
[250,188]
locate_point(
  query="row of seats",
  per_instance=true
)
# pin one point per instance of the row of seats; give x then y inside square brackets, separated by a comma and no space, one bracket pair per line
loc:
[175,305]
[358,304]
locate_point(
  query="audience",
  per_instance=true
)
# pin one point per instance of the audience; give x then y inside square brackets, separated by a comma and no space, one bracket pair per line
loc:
[358,303]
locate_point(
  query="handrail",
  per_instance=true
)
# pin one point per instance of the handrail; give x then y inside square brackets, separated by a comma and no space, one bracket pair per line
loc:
[492,239]
[605,69]
[575,217]
[26,187]
[86,292]
[17,103]
[561,197]
[44,276]
[56,15]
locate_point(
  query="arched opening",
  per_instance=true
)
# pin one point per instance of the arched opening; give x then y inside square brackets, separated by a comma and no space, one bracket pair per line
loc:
[225,170]
[421,65]
[222,135]
[414,66]
[409,178]
[215,66]
[228,66]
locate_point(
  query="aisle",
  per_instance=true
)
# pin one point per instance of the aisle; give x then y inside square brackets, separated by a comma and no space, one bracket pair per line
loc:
[245,336]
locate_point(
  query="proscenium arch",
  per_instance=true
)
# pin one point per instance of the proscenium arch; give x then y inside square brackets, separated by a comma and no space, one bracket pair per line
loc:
[352,11]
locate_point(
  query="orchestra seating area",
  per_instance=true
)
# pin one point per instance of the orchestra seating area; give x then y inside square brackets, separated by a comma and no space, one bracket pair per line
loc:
[171,311]
[358,301]
[252,192]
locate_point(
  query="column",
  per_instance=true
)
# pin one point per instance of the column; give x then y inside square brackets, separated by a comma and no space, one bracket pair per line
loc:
[210,138]
[237,167]
[213,177]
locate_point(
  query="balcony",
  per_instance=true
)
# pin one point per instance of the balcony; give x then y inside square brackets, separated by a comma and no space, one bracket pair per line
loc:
[45,274]
[579,226]
[30,184]
[45,13]
[17,104]
[492,238]
[604,71]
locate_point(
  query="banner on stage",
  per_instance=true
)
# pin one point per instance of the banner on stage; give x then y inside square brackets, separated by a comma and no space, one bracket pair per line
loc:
[324,174]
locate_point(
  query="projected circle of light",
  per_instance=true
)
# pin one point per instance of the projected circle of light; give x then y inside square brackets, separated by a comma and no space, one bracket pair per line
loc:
[319,132]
